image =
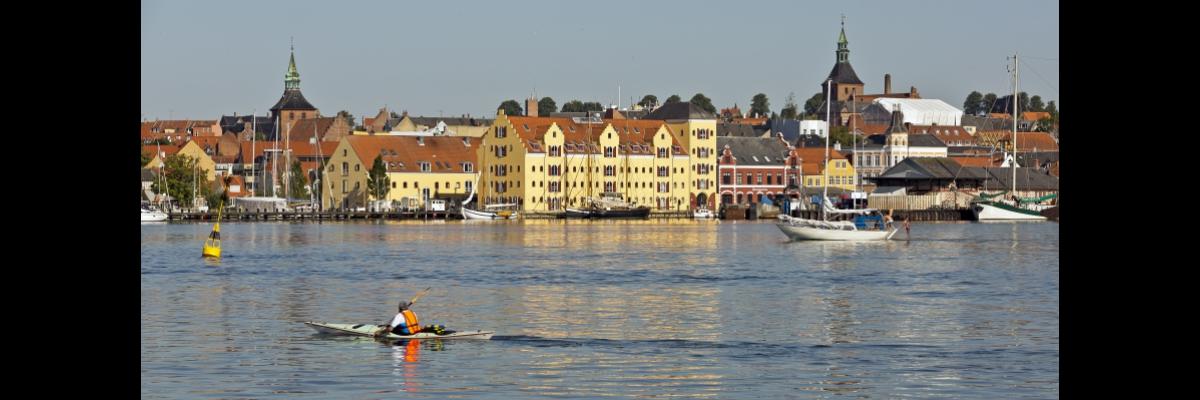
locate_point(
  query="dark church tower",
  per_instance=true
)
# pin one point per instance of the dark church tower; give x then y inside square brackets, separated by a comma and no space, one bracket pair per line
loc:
[292,105]
[845,81]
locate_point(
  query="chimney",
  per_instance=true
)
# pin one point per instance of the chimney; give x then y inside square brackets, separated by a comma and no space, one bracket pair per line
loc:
[887,83]
[531,107]
[420,141]
[912,92]
[466,142]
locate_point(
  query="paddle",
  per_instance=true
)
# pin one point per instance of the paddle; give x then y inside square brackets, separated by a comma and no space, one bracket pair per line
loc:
[384,329]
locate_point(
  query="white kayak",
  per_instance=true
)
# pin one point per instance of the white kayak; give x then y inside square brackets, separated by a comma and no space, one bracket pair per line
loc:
[370,329]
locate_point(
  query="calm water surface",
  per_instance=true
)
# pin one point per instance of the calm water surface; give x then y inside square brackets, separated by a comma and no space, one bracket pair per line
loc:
[593,309]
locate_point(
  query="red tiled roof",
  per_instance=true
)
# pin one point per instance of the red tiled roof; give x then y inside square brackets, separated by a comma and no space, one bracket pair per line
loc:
[405,153]
[952,135]
[1035,115]
[751,121]
[977,161]
[1036,141]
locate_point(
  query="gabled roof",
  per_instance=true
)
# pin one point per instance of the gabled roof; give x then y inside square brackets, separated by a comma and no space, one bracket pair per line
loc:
[307,127]
[929,168]
[735,129]
[678,111]
[913,140]
[406,153]
[755,151]
[453,121]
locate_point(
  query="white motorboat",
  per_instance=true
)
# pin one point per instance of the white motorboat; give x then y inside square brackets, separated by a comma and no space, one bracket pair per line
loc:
[495,211]
[702,213]
[150,214]
[1000,211]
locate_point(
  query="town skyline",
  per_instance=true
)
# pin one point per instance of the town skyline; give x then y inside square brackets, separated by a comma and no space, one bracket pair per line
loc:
[396,61]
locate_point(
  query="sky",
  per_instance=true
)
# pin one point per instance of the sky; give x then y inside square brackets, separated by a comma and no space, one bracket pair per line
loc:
[204,59]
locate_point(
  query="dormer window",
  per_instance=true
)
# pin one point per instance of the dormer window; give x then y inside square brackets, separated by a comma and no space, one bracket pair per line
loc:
[425,166]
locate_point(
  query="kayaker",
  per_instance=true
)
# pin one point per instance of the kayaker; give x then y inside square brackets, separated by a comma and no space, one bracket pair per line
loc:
[405,323]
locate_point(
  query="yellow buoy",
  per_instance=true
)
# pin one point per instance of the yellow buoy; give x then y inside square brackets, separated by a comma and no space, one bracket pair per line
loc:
[212,246]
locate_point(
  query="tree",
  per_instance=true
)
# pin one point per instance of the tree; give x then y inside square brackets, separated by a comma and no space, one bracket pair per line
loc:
[184,180]
[1024,101]
[813,104]
[989,102]
[348,116]
[573,106]
[146,157]
[377,179]
[593,106]
[511,107]
[648,101]
[673,99]
[790,109]
[298,187]
[760,106]
[546,106]
[703,102]
[1035,104]
[973,103]
[841,134]
[1052,109]
[394,115]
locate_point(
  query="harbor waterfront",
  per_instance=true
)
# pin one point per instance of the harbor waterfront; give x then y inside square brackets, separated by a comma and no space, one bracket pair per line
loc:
[634,308]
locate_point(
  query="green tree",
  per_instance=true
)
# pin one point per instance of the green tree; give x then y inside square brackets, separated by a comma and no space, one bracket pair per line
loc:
[1052,109]
[760,106]
[1035,104]
[511,107]
[298,187]
[184,180]
[841,134]
[1024,101]
[546,106]
[673,99]
[593,106]
[973,103]
[648,101]
[813,104]
[702,101]
[146,157]
[377,180]
[573,106]
[989,102]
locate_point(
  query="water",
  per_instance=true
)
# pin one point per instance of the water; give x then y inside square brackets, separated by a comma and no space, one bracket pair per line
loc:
[589,309]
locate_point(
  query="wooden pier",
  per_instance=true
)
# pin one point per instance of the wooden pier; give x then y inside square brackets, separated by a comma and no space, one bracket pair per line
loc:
[963,214]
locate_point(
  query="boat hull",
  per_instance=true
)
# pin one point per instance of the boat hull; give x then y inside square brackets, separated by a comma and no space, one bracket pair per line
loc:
[992,212]
[369,330]
[153,216]
[795,232]
[485,215]
[640,212]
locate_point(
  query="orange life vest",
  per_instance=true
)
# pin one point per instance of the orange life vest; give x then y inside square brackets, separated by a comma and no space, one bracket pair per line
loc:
[411,324]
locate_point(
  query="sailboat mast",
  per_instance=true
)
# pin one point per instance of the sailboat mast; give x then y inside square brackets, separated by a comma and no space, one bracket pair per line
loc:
[1016,104]
[828,131]
[253,133]
[854,150]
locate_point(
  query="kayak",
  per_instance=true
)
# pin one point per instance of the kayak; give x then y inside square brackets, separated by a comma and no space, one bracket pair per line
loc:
[370,329]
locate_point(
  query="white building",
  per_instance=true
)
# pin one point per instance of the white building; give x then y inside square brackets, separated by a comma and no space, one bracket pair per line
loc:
[923,111]
[814,127]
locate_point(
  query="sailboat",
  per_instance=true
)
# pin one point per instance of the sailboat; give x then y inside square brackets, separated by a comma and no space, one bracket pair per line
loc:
[992,207]
[489,212]
[870,224]
[255,202]
[608,205]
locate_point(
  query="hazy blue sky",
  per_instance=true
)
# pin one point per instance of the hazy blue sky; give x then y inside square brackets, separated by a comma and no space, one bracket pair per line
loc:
[202,59]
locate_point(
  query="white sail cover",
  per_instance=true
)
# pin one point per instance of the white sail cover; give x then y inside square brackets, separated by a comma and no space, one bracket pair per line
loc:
[924,111]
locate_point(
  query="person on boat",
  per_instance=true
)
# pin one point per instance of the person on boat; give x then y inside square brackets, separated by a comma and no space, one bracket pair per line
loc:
[406,323]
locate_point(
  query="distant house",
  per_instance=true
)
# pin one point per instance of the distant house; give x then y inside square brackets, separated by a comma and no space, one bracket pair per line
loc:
[175,131]
[880,152]
[243,125]
[753,168]
[325,129]
[223,150]
[1026,141]
[926,175]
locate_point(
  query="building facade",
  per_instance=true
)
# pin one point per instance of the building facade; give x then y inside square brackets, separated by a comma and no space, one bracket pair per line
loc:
[752,169]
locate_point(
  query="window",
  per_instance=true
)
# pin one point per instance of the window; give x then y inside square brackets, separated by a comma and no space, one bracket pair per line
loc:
[760,179]
[344,186]
[726,179]
[393,185]
[345,168]
[768,179]
[357,167]
[468,167]
[610,171]
[501,132]
[406,184]
[425,166]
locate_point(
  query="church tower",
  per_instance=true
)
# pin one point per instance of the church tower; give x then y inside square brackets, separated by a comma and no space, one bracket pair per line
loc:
[292,105]
[845,81]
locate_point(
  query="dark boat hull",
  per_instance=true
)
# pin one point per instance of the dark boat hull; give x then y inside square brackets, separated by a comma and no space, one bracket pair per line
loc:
[640,212]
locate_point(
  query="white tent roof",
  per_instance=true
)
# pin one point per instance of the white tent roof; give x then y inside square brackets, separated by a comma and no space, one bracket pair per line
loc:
[924,111]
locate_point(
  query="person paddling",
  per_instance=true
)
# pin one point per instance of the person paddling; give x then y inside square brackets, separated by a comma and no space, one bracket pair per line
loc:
[406,323]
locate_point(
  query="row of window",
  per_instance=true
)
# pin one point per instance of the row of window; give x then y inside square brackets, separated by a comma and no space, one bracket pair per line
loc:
[727,177]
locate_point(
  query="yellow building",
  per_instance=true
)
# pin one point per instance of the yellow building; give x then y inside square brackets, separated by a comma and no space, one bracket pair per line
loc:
[841,172]
[191,149]
[547,164]
[696,130]
[419,168]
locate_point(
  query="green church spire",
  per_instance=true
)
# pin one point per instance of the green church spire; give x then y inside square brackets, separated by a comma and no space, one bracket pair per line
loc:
[843,51]
[291,81]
